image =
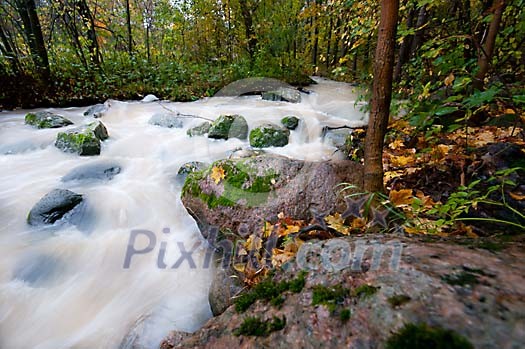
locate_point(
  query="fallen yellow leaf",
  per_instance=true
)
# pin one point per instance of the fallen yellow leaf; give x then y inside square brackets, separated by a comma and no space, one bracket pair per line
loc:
[217,174]
[336,222]
[400,161]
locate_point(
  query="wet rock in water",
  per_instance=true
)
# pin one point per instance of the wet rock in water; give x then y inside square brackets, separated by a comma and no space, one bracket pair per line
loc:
[450,295]
[269,136]
[37,270]
[44,119]
[282,94]
[97,110]
[150,98]
[290,122]
[101,171]
[53,206]
[199,130]
[188,168]
[224,287]
[229,126]
[166,120]
[336,136]
[249,191]
[83,141]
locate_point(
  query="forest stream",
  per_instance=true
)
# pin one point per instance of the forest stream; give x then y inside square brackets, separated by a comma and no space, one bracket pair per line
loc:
[65,286]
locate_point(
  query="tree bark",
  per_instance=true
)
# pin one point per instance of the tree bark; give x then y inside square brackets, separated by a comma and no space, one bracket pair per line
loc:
[487,49]
[381,96]
[128,24]
[33,32]
[247,16]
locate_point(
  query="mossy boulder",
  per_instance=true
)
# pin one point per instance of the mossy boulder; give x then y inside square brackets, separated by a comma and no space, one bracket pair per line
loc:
[243,192]
[290,122]
[199,130]
[229,126]
[44,119]
[187,168]
[83,141]
[269,136]
[53,206]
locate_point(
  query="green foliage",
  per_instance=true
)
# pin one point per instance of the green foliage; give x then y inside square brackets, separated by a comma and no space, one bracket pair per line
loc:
[253,326]
[420,336]
[345,315]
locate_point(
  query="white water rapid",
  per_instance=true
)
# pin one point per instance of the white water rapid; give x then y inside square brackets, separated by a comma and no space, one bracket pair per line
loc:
[66,287]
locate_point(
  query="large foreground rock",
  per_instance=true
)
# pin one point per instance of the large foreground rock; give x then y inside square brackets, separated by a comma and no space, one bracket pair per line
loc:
[53,206]
[83,141]
[249,191]
[44,119]
[474,293]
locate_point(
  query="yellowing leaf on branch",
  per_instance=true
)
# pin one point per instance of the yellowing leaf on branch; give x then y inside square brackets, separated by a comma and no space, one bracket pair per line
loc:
[449,80]
[217,174]
[401,197]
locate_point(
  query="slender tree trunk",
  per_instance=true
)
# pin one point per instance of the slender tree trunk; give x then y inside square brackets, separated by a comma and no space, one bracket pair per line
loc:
[418,37]
[381,96]
[487,49]
[404,48]
[33,32]
[7,50]
[91,35]
[128,24]
[247,16]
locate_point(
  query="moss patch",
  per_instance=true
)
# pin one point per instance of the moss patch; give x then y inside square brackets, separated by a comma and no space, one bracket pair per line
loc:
[345,315]
[465,278]
[253,326]
[241,184]
[269,290]
[269,136]
[365,291]
[422,336]
[329,296]
[398,300]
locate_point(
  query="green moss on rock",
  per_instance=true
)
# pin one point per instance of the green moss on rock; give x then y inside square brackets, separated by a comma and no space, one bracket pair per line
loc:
[44,119]
[269,136]
[241,185]
[84,141]
[290,122]
[253,326]
[199,130]
[329,296]
[420,336]
[229,126]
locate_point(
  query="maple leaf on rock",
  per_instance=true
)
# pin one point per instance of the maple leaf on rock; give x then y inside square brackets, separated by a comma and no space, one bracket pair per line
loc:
[217,174]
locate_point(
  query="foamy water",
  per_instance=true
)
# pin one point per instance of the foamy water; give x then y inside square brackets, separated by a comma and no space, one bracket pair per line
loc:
[83,296]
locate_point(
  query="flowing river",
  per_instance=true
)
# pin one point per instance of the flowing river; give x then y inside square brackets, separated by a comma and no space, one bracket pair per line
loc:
[66,287]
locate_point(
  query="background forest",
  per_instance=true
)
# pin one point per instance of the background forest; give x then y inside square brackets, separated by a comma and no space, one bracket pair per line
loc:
[64,52]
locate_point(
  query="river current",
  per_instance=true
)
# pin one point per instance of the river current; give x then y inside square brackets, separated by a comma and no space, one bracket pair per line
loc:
[66,287]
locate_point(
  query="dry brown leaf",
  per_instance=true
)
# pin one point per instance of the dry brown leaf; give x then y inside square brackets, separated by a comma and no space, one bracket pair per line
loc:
[517,196]
[401,197]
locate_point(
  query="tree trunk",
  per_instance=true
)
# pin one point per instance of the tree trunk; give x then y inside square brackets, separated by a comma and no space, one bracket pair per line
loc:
[33,32]
[91,35]
[247,16]
[128,23]
[404,49]
[487,49]
[381,96]
[7,50]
